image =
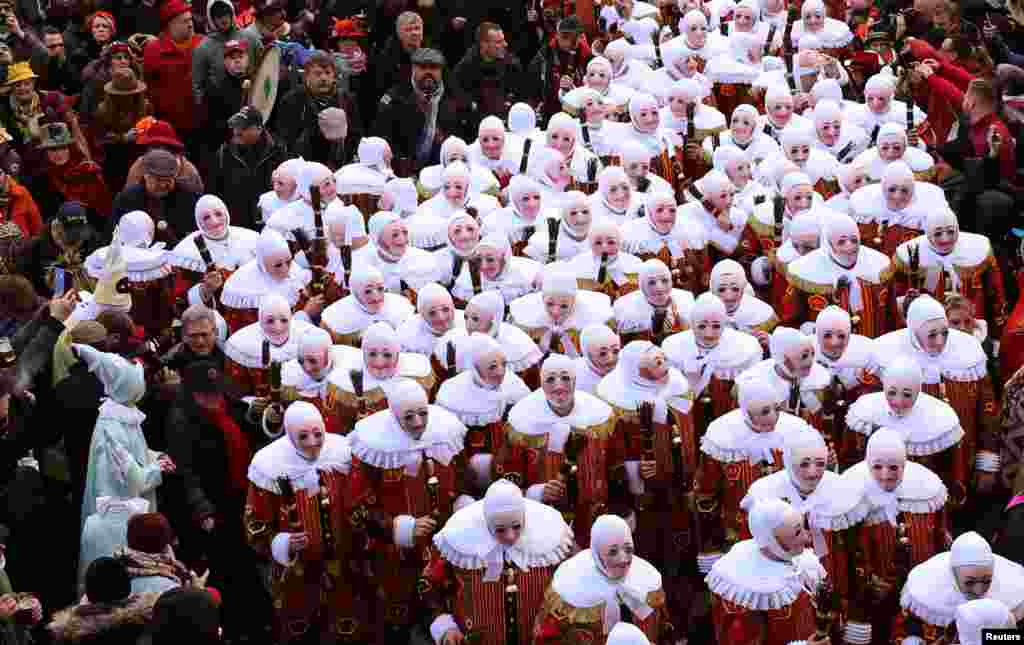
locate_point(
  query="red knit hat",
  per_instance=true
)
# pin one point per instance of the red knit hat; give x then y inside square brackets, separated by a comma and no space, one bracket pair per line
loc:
[161,132]
[172,9]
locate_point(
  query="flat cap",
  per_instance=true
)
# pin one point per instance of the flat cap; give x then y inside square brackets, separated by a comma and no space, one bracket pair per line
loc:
[427,56]
[160,163]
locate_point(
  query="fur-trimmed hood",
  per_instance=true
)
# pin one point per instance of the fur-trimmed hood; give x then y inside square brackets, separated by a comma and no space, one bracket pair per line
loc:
[83,623]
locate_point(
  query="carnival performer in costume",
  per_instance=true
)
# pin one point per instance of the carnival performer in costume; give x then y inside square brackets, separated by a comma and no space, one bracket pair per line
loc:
[615,199]
[654,434]
[555,317]
[551,430]
[481,396]
[405,268]
[949,261]
[603,266]
[485,314]
[150,278]
[306,377]
[379,366]
[816,493]
[368,302]
[656,310]
[905,497]
[510,275]
[272,271]
[955,369]
[969,571]
[842,272]
[275,329]
[298,514]
[746,312]
[800,383]
[929,426]
[573,229]
[600,587]
[435,316]
[121,465]
[299,213]
[711,355]
[408,468]
[462,234]
[738,448]
[600,354]
[501,551]
[762,590]
[894,211]
[849,360]
[229,247]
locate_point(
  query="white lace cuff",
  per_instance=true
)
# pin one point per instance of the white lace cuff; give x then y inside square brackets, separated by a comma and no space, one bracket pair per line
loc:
[279,549]
[913,640]
[440,627]
[988,461]
[707,560]
[405,531]
[857,633]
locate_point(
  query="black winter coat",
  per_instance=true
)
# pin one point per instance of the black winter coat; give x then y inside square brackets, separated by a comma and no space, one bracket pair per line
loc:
[237,175]
[198,449]
[177,209]
[400,121]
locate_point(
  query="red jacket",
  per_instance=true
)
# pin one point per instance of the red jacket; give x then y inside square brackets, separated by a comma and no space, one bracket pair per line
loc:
[22,210]
[168,72]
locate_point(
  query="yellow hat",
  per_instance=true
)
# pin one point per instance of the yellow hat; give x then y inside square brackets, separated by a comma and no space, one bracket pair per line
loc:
[19,72]
[114,268]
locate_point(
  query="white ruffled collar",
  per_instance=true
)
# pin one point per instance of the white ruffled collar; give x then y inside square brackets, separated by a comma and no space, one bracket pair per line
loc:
[347,315]
[476,405]
[379,441]
[921,491]
[931,592]
[249,284]
[931,426]
[580,583]
[730,439]
[620,390]
[533,416]
[467,543]
[245,346]
[281,459]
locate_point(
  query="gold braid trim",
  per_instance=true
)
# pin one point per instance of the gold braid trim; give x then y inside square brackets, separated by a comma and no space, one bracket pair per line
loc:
[769,325]
[563,612]
[759,227]
[355,339]
[590,284]
[927,175]
[969,273]
[703,133]
[826,289]
[599,431]
[349,400]
[810,287]
[535,441]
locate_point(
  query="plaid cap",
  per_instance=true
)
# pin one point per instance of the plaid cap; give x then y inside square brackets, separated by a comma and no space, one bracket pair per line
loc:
[247,117]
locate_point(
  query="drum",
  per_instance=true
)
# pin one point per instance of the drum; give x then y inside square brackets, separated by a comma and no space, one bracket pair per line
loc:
[265,82]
